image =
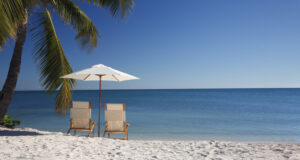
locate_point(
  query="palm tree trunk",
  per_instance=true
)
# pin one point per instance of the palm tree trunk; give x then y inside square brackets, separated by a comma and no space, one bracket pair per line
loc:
[14,69]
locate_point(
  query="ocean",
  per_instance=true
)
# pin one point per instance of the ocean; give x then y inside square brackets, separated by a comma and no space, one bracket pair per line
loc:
[179,114]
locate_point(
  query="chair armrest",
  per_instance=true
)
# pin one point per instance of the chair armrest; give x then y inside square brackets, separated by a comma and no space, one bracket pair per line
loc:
[93,122]
[71,124]
[126,126]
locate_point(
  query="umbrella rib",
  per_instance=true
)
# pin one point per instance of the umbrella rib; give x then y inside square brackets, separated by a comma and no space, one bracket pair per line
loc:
[116,78]
[87,77]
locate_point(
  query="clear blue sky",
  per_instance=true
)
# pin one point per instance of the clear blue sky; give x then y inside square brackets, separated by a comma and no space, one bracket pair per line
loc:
[185,44]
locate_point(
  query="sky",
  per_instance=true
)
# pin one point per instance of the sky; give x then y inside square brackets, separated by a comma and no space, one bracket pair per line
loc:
[183,44]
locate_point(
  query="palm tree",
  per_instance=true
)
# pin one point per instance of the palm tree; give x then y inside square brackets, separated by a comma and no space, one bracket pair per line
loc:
[48,52]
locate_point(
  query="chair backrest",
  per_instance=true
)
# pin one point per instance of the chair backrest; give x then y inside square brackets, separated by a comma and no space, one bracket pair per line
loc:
[115,116]
[80,113]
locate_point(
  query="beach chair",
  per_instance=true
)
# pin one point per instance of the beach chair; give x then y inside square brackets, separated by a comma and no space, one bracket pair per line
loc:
[115,120]
[80,117]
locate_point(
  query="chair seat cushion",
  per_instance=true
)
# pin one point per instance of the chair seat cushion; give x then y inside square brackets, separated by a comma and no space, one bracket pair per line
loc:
[81,123]
[115,126]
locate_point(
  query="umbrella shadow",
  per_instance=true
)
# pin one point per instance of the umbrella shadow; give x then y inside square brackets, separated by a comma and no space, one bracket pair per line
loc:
[18,133]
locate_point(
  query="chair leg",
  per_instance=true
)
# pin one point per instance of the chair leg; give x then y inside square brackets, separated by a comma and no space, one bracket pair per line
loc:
[92,128]
[69,131]
[104,134]
[74,132]
[126,135]
[108,135]
[89,132]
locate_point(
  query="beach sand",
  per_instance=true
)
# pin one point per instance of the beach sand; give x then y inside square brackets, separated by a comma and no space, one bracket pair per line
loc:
[30,143]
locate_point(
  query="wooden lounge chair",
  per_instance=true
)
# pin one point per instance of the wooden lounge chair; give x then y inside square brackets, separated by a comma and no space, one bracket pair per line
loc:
[80,117]
[115,120]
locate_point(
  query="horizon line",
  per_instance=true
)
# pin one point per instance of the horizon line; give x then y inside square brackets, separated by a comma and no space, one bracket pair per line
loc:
[175,88]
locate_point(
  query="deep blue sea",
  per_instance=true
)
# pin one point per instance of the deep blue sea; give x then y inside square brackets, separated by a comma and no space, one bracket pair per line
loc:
[190,114]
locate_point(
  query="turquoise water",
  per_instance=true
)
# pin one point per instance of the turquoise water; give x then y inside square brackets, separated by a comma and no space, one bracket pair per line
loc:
[224,114]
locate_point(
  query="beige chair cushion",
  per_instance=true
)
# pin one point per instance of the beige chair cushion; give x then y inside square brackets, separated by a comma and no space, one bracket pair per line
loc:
[115,126]
[115,106]
[80,114]
[81,123]
[76,113]
[115,117]
[80,104]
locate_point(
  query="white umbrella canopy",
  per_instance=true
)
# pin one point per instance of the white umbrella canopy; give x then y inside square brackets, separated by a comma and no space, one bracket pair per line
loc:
[100,72]
[106,73]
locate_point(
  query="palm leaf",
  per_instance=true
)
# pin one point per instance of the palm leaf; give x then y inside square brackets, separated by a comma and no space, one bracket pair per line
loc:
[6,29]
[53,63]
[15,10]
[11,14]
[115,6]
[76,18]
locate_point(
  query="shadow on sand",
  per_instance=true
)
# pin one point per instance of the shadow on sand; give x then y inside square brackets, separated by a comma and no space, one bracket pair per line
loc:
[18,133]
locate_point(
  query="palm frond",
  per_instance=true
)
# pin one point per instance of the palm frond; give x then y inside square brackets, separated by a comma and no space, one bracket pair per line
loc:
[30,4]
[6,29]
[76,18]
[53,63]
[15,10]
[115,6]
[11,14]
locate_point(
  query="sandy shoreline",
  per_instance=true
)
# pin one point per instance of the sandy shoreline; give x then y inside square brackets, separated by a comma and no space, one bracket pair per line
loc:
[30,143]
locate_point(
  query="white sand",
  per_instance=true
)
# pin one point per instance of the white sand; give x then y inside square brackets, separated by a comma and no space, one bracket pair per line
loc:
[34,144]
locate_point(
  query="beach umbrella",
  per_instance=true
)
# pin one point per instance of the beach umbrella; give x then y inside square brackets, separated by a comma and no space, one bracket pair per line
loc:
[100,73]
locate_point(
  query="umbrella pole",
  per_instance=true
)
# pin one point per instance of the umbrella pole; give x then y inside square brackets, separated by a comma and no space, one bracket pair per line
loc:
[99,105]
